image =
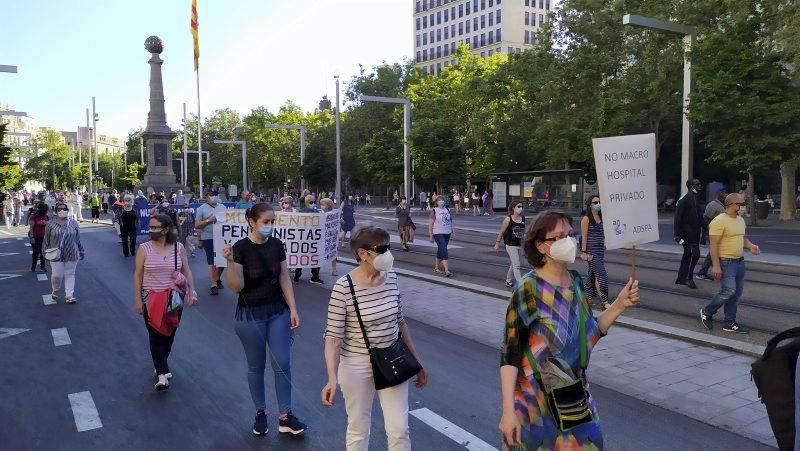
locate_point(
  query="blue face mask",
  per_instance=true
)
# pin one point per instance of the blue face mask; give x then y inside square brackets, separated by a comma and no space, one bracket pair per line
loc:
[265,231]
[442,204]
[597,208]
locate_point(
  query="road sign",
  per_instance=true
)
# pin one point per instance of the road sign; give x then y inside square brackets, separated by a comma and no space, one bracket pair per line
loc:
[10,332]
[8,276]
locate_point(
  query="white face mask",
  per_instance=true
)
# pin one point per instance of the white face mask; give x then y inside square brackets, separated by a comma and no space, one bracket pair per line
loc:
[63,214]
[564,250]
[518,210]
[165,204]
[384,261]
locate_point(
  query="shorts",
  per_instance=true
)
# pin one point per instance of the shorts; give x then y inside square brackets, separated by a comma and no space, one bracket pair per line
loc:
[208,245]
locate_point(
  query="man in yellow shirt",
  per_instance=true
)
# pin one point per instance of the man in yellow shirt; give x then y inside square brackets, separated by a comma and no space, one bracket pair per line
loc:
[727,235]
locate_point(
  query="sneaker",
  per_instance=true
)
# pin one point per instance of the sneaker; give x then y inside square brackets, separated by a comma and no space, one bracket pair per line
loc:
[291,425]
[214,291]
[734,327]
[510,284]
[42,269]
[260,427]
[162,384]
[316,281]
[707,321]
[704,277]
[680,282]
[690,283]
[219,284]
[296,279]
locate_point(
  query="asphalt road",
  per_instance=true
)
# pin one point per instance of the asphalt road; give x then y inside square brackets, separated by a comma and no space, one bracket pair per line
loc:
[768,304]
[208,405]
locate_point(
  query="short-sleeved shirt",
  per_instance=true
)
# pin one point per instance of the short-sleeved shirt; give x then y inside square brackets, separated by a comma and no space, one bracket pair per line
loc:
[261,270]
[204,212]
[380,310]
[442,221]
[38,224]
[732,231]
[714,209]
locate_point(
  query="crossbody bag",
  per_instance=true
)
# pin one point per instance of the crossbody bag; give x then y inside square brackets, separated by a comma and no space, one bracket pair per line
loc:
[567,395]
[391,365]
[175,302]
[54,253]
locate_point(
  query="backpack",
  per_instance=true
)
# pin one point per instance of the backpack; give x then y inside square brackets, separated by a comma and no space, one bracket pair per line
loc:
[774,376]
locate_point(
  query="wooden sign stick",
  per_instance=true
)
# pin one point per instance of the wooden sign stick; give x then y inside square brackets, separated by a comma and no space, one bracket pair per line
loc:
[633,263]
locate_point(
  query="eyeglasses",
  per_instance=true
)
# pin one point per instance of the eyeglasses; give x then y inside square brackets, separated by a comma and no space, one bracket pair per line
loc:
[556,238]
[740,204]
[380,249]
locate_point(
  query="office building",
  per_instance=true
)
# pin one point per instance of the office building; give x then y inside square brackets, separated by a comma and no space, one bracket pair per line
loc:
[105,143]
[485,26]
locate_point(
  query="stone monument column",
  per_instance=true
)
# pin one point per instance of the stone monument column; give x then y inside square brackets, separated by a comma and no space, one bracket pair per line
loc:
[158,135]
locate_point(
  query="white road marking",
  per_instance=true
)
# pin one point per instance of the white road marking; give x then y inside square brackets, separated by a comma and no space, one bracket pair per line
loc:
[10,332]
[30,252]
[41,277]
[60,336]
[449,429]
[48,300]
[8,276]
[3,254]
[421,242]
[84,411]
[28,244]
[7,233]
[783,242]
[18,238]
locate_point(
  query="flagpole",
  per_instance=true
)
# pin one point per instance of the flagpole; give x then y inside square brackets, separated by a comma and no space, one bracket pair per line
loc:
[199,134]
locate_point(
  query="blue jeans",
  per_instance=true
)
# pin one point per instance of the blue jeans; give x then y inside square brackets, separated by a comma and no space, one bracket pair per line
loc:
[441,245]
[731,291]
[256,335]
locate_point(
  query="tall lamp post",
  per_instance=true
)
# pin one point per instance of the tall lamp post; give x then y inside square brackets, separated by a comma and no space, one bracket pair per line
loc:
[338,146]
[303,130]
[406,131]
[688,33]
[206,154]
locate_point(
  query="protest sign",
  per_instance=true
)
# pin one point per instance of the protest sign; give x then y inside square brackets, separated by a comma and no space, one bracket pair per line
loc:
[309,239]
[626,175]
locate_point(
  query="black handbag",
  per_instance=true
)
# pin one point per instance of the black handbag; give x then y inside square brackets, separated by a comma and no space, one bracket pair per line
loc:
[774,376]
[391,365]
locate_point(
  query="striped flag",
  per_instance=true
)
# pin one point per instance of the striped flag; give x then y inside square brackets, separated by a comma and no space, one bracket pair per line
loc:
[194,35]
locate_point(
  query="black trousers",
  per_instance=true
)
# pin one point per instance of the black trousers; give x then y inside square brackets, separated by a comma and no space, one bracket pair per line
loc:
[95,212]
[299,271]
[160,346]
[36,248]
[691,254]
[128,242]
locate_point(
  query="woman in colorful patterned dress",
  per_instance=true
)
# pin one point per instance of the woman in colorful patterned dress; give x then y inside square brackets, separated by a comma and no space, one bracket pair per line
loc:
[542,325]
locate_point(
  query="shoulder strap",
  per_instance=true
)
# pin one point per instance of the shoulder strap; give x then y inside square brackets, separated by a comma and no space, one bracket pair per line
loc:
[176,256]
[358,313]
[584,351]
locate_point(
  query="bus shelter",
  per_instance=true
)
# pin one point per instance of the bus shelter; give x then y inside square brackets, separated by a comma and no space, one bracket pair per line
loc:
[559,189]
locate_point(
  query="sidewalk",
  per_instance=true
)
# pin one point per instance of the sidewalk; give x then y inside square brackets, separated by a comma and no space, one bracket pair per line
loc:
[707,384]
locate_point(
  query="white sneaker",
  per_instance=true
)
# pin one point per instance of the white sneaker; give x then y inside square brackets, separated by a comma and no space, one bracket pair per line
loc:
[169,375]
[162,384]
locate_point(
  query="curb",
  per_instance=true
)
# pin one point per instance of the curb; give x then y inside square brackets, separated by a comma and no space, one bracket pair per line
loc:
[686,335]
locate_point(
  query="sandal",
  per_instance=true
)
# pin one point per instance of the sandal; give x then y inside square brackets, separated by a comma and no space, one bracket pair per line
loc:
[448,274]
[70,300]
[54,295]
[437,271]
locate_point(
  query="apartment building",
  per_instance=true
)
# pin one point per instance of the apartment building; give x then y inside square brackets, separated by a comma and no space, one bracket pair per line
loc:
[105,143]
[485,26]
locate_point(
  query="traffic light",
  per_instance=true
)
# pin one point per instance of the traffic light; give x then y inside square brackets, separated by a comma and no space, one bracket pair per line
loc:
[96,117]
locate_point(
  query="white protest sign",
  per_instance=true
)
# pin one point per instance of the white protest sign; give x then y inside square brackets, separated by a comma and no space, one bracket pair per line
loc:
[626,175]
[309,239]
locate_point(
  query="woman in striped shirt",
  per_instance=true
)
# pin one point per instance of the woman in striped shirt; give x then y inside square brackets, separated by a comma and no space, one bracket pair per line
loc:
[156,264]
[64,234]
[346,355]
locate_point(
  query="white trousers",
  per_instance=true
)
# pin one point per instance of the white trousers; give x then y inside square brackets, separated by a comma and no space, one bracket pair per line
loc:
[513,270]
[76,210]
[63,272]
[358,389]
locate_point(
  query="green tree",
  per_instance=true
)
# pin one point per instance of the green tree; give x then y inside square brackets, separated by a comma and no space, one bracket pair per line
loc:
[10,173]
[744,106]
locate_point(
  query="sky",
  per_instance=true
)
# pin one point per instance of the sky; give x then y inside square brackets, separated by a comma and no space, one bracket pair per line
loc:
[252,53]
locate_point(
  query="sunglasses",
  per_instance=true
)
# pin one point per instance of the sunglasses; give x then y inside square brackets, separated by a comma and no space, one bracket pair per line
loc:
[62,209]
[380,249]
[597,202]
[556,238]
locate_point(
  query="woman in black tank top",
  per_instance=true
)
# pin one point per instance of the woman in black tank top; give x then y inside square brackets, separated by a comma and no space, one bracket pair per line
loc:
[511,232]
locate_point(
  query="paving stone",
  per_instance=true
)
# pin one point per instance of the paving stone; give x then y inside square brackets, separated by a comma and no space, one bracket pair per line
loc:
[684,386]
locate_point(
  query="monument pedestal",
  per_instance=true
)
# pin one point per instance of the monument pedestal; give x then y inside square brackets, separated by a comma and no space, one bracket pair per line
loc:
[158,135]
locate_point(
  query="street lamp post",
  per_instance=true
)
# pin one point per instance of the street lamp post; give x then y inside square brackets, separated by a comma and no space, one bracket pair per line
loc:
[207,154]
[303,130]
[184,174]
[94,126]
[406,131]
[338,146]
[688,33]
